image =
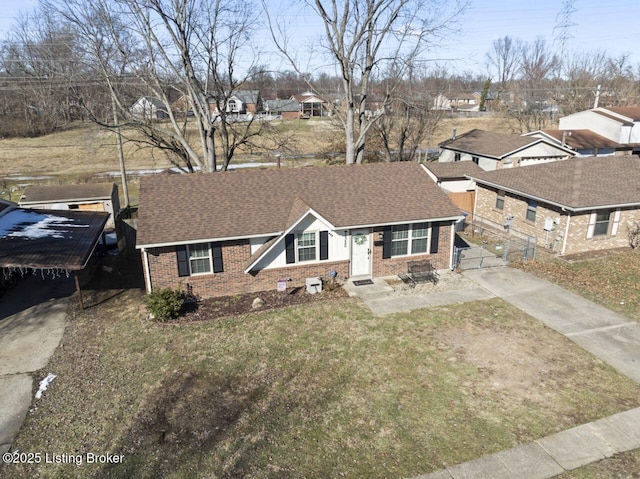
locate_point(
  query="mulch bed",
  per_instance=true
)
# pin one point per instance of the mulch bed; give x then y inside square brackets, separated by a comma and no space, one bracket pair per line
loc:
[221,307]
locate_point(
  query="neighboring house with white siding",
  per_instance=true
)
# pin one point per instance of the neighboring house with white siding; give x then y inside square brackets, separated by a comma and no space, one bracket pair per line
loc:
[619,124]
[583,142]
[491,150]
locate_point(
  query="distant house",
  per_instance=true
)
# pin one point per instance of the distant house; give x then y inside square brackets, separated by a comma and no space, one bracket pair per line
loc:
[457,101]
[312,105]
[618,124]
[286,109]
[572,206]
[241,102]
[149,108]
[490,150]
[83,197]
[252,229]
[583,142]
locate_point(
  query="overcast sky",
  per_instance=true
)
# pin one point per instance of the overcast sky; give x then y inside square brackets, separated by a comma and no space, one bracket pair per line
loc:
[598,25]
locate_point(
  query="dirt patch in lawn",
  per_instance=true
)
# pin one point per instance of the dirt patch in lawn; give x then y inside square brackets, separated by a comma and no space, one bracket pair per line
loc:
[511,362]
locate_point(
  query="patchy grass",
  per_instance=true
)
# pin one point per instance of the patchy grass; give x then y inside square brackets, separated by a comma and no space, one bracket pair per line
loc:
[620,466]
[612,280]
[316,390]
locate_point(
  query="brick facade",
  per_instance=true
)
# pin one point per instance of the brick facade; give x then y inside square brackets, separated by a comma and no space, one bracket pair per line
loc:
[576,241]
[164,271]
[393,266]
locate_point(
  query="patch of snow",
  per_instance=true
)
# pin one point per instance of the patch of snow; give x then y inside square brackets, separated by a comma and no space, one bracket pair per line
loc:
[44,384]
[31,225]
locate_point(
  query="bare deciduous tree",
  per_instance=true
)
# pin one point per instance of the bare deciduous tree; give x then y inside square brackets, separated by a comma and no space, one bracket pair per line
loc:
[504,60]
[365,37]
[184,54]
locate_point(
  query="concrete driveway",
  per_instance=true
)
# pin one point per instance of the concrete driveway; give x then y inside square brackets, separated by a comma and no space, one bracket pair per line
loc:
[32,322]
[610,336]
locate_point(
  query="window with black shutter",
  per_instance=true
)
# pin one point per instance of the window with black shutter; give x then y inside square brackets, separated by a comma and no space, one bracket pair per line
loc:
[216,252]
[435,237]
[183,260]
[289,242]
[324,245]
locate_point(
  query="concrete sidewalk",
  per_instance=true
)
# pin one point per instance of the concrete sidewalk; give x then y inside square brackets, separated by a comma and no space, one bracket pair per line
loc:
[555,454]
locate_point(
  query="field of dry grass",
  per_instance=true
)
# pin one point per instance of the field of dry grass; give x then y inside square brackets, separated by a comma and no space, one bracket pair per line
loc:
[85,149]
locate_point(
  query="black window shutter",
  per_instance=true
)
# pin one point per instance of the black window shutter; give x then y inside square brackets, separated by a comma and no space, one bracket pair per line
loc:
[183,260]
[324,245]
[435,237]
[290,246]
[216,252]
[386,242]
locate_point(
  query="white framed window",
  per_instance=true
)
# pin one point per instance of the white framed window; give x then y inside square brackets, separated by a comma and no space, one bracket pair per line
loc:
[475,159]
[409,239]
[602,223]
[500,200]
[233,106]
[199,258]
[456,157]
[306,246]
[532,208]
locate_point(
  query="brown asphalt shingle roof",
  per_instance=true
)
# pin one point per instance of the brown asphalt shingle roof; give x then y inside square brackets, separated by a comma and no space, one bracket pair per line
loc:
[199,207]
[632,112]
[488,143]
[61,193]
[579,139]
[578,183]
[453,169]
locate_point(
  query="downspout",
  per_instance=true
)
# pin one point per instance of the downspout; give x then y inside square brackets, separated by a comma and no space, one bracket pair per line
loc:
[453,240]
[147,272]
[566,233]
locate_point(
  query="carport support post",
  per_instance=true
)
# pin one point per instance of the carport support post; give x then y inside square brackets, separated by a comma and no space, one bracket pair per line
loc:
[75,277]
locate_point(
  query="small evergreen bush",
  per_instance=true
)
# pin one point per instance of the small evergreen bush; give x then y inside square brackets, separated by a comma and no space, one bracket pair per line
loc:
[164,304]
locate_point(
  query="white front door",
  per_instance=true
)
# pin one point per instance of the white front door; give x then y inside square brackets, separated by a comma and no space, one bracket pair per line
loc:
[360,252]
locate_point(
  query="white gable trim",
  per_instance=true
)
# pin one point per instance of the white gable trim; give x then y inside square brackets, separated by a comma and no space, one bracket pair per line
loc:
[283,234]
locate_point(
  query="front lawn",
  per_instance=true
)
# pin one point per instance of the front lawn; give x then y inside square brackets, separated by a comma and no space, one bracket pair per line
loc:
[315,390]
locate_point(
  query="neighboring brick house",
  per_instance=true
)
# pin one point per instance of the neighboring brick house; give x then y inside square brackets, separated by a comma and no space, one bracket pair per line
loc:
[83,196]
[286,109]
[491,150]
[232,232]
[572,206]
